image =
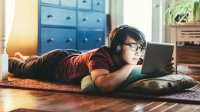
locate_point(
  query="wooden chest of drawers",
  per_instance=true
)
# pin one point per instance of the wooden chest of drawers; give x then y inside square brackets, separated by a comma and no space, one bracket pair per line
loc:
[187,55]
[71,24]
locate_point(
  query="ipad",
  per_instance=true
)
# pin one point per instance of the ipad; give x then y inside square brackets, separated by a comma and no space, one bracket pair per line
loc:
[156,56]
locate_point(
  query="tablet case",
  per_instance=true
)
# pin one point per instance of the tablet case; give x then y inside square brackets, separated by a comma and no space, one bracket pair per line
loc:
[156,56]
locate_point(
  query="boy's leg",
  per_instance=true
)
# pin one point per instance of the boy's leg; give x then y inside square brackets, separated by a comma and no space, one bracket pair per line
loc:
[42,68]
[20,56]
[25,58]
[32,58]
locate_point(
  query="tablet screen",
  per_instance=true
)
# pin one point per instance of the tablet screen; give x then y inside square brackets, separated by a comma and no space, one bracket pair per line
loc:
[156,56]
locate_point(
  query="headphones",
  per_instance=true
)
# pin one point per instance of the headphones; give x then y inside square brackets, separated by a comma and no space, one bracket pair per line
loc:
[118,49]
[116,37]
[116,46]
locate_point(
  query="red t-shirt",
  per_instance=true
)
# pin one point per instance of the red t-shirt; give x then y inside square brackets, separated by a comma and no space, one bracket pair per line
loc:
[74,68]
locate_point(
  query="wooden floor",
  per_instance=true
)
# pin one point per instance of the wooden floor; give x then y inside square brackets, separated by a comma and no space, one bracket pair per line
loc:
[12,99]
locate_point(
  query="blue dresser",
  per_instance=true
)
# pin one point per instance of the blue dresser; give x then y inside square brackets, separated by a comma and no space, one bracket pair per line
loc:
[71,24]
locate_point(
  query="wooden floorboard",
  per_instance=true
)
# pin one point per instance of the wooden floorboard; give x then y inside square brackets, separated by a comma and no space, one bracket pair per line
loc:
[12,99]
[197,110]
[180,107]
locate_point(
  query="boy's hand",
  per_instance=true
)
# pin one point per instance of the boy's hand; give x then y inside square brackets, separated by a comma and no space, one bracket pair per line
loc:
[170,66]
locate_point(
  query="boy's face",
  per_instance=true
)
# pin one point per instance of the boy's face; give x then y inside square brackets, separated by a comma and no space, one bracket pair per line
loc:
[131,51]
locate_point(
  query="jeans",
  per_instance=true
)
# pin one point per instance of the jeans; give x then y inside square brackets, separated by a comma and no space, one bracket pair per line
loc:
[44,67]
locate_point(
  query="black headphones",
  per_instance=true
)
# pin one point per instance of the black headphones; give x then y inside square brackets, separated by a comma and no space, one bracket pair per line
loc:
[117,47]
[116,42]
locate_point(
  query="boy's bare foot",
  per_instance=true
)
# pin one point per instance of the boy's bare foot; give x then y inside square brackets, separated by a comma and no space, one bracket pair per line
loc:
[20,56]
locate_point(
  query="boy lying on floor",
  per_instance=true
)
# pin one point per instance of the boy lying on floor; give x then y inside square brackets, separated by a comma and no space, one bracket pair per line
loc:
[109,65]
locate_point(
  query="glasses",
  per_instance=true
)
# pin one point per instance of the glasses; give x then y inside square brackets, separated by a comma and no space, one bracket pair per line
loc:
[134,46]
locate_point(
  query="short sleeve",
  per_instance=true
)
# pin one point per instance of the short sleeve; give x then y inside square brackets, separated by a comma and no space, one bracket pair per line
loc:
[97,62]
[101,59]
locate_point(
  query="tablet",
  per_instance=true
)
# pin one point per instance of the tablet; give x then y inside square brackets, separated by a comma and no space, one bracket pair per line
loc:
[156,56]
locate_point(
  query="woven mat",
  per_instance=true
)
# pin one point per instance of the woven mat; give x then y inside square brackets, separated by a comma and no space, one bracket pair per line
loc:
[41,85]
[190,71]
[28,110]
[188,96]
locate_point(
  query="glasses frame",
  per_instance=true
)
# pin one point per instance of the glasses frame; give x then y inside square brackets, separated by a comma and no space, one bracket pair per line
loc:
[134,46]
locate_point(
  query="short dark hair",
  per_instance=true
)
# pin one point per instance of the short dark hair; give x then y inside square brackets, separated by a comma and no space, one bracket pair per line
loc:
[118,35]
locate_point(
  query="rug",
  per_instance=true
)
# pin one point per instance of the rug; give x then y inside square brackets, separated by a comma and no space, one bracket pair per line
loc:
[28,110]
[190,71]
[188,96]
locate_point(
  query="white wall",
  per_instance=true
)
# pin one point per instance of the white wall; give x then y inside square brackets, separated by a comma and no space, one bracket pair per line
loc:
[160,31]
[25,28]
[167,28]
[116,12]
[138,13]
[1,21]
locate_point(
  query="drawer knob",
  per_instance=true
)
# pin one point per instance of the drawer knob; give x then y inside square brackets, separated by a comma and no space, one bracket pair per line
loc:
[69,40]
[98,20]
[85,39]
[85,19]
[50,40]
[98,3]
[69,17]
[49,16]
[84,1]
[99,39]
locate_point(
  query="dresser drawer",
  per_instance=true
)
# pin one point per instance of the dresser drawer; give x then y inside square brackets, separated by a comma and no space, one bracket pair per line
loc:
[90,19]
[90,39]
[56,16]
[54,38]
[85,4]
[99,5]
[56,2]
[68,3]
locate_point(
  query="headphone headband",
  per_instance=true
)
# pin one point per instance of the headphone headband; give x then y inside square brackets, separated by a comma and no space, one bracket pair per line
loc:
[117,47]
[120,28]
[116,36]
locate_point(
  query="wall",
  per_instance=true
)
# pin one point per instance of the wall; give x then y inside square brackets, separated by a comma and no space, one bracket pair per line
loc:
[24,34]
[160,33]
[1,20]
[167,28]
[25,29]
[141,16]
[116,12]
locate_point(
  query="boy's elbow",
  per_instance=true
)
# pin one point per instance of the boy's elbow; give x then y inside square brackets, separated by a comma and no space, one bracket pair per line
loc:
[106,89]
[106,86]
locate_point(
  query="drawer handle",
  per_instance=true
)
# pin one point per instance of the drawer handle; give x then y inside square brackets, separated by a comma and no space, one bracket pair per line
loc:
[99,39]
[49,16]
[50,40]
[84,1]
[68,18]
[85,39]
[98,20]
[85,19]
[69,40]
[98,3]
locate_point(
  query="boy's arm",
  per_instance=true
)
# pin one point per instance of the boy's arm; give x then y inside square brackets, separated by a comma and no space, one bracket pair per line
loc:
[107,81]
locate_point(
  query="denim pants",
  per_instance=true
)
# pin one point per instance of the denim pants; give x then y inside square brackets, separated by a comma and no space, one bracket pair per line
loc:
[44,67]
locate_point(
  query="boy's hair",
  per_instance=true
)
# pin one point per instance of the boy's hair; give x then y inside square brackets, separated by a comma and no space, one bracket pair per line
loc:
[118,35]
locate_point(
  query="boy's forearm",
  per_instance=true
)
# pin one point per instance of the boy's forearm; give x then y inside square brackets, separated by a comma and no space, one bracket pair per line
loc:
[114,79]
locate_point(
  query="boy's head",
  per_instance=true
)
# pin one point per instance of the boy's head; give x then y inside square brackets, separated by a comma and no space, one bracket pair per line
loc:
[119,34]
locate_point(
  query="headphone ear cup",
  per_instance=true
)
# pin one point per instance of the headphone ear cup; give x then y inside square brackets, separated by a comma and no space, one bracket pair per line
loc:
[118,49]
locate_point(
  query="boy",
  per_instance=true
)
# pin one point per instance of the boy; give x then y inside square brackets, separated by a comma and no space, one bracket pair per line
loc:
[108,66]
